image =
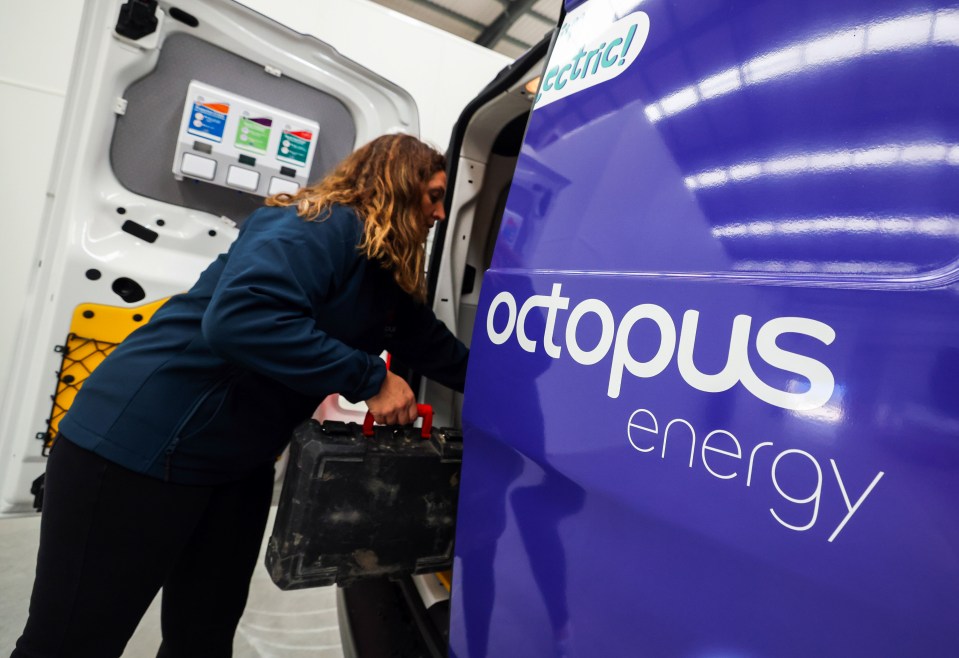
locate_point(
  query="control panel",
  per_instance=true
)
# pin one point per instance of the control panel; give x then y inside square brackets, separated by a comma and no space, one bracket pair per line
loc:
[232,141]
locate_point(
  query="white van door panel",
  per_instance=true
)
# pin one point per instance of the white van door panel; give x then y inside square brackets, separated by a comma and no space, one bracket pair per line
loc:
[119,231]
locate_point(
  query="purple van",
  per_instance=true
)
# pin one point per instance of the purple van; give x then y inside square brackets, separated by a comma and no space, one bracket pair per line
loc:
[713,400]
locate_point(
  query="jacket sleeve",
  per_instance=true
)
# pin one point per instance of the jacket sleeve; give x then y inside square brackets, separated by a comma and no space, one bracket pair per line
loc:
[428,346]
[261,314]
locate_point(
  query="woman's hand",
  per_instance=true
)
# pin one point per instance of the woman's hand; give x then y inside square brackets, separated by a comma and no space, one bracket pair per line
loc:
[395,404]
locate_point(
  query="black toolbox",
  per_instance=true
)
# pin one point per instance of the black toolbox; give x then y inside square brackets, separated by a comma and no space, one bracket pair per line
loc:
[355,506]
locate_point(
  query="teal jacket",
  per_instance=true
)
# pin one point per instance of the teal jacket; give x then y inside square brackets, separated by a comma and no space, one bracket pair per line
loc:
[212,387]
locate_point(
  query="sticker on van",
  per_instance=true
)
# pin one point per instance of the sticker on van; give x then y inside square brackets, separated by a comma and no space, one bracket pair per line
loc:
[582,58]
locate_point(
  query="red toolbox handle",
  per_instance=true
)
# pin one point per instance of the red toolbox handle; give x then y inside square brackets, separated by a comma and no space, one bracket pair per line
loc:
[423,411]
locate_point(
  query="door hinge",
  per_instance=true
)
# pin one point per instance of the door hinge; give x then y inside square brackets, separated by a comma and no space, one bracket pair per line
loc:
[137,19]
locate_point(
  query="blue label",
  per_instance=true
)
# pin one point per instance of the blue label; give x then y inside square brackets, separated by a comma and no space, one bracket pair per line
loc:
[208,120]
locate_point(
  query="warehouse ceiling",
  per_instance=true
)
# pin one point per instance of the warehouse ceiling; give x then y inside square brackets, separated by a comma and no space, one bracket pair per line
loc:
[507,26]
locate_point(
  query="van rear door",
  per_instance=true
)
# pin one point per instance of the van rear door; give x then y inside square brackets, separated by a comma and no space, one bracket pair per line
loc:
[179,119]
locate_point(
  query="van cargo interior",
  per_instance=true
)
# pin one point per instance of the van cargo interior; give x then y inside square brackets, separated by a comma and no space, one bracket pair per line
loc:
[479,191]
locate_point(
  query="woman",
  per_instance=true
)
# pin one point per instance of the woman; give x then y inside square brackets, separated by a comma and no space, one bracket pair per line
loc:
[163,472]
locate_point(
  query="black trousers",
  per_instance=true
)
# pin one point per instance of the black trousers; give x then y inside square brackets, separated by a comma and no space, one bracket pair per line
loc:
[111,538]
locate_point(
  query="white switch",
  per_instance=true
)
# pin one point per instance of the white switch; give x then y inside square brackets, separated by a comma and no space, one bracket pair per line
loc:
[278,185]
[197,167]
[246,179]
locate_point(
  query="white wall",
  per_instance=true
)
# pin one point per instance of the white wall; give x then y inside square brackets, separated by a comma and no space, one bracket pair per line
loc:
[37,40]
[443,72]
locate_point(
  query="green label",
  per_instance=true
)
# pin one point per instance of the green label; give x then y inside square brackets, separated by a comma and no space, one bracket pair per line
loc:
[253,134]
[295,146]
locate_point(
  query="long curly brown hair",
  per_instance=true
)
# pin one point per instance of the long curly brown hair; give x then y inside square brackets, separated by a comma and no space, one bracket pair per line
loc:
[383,181]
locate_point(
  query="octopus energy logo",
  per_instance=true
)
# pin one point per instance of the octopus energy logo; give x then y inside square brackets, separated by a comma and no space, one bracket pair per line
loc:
[615,336]
[578,63]
[722,454]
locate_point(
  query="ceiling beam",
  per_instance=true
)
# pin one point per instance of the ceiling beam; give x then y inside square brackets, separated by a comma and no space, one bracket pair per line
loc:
[497,29]
[466,20]
[550,21]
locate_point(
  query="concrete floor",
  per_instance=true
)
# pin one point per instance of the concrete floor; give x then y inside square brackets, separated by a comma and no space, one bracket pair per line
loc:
[276,624]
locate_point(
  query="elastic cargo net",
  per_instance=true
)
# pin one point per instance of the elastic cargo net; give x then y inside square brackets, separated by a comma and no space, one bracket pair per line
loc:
[95,331]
